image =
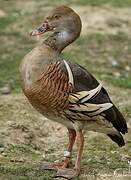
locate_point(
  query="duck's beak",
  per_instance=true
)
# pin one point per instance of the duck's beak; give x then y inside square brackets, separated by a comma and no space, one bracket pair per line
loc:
[42,29]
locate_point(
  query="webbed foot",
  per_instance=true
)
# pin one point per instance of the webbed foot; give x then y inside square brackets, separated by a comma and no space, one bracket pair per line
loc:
[50,166]
[67,173]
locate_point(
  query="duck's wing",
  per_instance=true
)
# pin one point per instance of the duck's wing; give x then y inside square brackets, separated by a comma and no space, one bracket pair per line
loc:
[90,99]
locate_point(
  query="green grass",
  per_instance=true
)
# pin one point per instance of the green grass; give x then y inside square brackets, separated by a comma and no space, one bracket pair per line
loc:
[12,167]
[116,3]
[97,160]
[23,172]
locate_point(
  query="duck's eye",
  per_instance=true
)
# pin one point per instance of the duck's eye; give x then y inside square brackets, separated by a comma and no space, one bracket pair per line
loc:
[56,16]
[47,19]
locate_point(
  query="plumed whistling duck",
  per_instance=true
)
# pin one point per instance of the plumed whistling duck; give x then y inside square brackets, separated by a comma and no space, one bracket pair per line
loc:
[65,92]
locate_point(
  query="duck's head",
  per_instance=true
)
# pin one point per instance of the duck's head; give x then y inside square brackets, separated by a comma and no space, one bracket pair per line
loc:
[64,22]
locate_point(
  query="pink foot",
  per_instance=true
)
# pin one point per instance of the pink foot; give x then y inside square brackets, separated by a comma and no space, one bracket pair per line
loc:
[50,166]
[67,173]
[55,166]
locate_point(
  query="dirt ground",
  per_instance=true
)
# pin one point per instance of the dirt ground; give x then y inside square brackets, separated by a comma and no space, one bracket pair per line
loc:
[105,20]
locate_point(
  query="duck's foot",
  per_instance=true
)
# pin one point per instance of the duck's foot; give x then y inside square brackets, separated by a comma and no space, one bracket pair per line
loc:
[67,173]
[50,166]
[55,166]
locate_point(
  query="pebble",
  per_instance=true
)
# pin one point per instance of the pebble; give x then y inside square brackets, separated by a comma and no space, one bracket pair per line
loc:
[2,150]
[4,154]
[125,157]
[44,155]
[6,89]
[2,13]
[127,68]
[114,63]
[116,74]
[17,160]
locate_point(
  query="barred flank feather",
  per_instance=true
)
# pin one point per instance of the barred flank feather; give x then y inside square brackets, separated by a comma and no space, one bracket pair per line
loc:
[79,102]
[91,109]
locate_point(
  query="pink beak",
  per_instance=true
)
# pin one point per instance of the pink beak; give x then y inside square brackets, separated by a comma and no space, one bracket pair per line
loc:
[42,29]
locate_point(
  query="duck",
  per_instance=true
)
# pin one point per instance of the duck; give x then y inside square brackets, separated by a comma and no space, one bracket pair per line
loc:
[66,92]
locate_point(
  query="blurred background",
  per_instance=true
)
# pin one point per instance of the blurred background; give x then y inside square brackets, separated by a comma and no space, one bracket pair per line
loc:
[104,48]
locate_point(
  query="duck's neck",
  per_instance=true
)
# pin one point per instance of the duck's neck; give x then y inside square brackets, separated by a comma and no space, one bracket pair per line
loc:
[59,40]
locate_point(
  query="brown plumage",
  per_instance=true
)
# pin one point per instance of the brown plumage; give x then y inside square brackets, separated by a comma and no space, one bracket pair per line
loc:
[51,90]
[66,92]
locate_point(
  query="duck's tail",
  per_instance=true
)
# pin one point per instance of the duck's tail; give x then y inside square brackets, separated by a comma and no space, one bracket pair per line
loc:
[117,138]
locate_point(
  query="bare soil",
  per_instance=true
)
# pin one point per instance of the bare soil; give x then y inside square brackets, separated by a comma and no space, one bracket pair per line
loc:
[104,19]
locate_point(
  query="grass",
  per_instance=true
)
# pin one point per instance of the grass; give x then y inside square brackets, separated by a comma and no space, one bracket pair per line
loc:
[117,3]
[22,172]
[22,162]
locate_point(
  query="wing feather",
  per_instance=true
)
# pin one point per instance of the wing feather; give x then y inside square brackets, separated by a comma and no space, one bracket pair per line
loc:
[84,86]
[91,109]
[84,96]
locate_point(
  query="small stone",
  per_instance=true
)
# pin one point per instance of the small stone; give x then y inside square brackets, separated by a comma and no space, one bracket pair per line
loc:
[12,160]
[4,154]
[2,13]
[127,68]
[2,150]
[37,152]
[17,160]
[44,155]
[114,63]
[126,48]
[125,158]
[114,152]
[116,74]
[57,161]
[21,160]
[89,160]
[6,89]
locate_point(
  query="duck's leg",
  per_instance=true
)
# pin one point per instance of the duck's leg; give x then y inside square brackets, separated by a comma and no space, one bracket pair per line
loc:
[70,173]
[77,167]
[67,155]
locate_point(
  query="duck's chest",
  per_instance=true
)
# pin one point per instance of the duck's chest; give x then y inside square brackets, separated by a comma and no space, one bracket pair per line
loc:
[45,85]
[50,94]
[48,104]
